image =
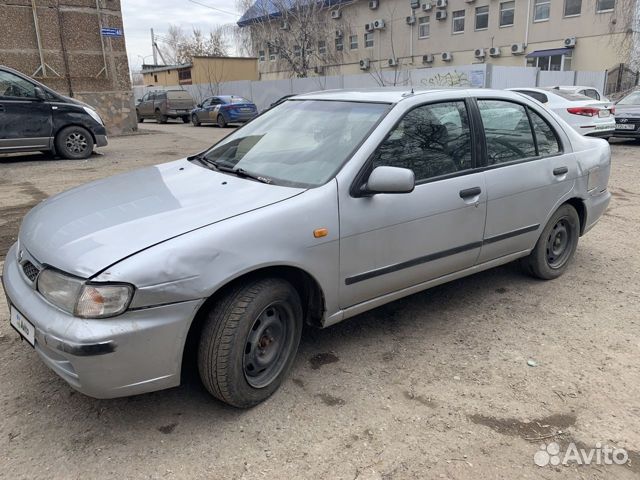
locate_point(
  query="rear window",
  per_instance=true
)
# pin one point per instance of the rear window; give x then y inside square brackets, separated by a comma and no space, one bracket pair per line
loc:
[235,100]
[573,97]
[178,95]
[539,96]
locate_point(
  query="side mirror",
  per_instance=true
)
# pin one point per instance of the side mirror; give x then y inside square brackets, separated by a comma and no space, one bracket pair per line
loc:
[39,93]
[199,105]
[390,180]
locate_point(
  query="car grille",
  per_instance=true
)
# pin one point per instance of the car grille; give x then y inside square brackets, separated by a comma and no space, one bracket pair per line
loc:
[633,120]
[30,270]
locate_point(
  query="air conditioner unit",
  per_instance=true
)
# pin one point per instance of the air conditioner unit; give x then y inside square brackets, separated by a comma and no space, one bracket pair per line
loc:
[336,14]
[446,56]
[365,63]
[441,3]
[494,52]
[318,70]
[570,42]
[284,25]
[427,7]
[368,27]
[393,62]
[428,58]
[441,15]
[517,48]
[411,20]
[479,53]
[415,4]
[339,34]
[469,1]
[373,4]
[378,24]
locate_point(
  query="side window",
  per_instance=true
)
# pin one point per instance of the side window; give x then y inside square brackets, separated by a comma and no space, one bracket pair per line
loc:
[206,103]
[16,87]
[539,96]
[431,140]
[145,97]
[508,132]
[546,139]
[591,93]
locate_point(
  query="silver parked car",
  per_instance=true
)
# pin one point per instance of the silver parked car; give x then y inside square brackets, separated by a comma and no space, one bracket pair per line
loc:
[326,206]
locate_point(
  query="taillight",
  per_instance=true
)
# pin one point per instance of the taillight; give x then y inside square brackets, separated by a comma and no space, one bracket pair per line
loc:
[584,111]
[612,110]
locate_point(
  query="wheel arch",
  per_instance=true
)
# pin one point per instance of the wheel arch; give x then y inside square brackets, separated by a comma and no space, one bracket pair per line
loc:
[54,137]
[581,208]
[309,289]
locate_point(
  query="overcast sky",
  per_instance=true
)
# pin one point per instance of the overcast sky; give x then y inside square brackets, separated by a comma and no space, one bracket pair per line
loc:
[141,15]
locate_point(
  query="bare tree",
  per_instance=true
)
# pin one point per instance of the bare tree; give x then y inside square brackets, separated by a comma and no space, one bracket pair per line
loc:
[300,35]
[179,48]
[383,73]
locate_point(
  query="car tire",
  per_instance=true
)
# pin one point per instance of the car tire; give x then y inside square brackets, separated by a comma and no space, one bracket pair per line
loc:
[556,246]
[195,120]
[185,119]
[74,143]
[221,121]
[160,118]
[249,341]
[140,118]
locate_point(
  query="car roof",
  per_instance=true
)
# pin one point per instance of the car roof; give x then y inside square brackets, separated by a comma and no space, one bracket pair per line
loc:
[392,94]
[573,87]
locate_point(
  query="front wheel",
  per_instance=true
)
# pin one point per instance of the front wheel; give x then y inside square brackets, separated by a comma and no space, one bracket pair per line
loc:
[249,341]
[185,119]
[221,121]
[556,245]
[195,120]
[74,143]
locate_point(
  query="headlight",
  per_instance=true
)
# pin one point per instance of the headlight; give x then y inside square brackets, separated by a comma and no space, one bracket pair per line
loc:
[85,300]
[94,115]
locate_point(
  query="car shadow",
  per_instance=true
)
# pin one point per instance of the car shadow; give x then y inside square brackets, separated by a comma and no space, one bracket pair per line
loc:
[11,158]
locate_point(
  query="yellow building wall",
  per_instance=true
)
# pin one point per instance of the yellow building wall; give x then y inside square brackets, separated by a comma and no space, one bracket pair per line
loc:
[165,78]
[223,69]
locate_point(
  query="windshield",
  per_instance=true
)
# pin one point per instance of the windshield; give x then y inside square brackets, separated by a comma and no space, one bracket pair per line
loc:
[631,99]
[300,143]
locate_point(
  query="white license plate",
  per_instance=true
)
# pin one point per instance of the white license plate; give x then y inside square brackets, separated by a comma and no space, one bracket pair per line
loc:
[24,327]
[604,113]
[625,126]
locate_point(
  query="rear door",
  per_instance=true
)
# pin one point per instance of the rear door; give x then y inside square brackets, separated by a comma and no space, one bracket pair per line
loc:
[527,173]
[389,242]
[25,120]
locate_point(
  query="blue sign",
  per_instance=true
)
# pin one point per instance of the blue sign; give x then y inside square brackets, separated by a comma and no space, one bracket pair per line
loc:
[111,32]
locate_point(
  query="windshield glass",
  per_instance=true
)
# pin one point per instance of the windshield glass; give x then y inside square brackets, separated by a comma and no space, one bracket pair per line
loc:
[300,143]
[631,99]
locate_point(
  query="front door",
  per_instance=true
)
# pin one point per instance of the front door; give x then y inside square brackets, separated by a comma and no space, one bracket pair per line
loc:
[393,241]
[25,120]
[527,175]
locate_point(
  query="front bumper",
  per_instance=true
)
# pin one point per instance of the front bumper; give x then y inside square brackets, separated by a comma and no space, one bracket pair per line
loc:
[101,141]
[137,352]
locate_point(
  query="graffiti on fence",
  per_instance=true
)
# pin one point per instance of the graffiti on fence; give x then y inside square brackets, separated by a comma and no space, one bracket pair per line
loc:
[475,78]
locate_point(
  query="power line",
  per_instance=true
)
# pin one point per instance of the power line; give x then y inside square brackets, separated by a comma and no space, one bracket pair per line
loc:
[215,8]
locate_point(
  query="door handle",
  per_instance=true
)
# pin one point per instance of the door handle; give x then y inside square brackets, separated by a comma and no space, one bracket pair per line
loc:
[560,171]
[470,192]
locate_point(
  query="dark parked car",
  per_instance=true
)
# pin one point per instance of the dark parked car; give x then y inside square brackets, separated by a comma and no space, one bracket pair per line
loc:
[165,104]
[224,109]
[35,118]
[628,116]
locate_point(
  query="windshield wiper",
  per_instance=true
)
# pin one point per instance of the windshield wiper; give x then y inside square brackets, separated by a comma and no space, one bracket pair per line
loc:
[240,172]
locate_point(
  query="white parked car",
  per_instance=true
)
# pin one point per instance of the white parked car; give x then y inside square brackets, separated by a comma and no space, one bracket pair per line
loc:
[587,116]
[590,92]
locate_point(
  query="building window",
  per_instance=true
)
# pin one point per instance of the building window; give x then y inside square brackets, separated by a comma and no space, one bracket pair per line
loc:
[339,44]
[482,18]
[507,12]
[322,47]
[554,63]
[353,42]
[572,7]
[368,40]
[155,78]
[272,54]
[261,55]
[605,5]
[297,51]
[457,21]
[541,10]
[423,27]
[184,76]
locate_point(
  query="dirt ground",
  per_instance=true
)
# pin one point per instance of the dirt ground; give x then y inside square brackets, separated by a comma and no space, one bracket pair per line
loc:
[436,385]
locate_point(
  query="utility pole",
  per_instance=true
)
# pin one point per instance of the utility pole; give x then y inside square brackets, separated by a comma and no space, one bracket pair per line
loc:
[154,48]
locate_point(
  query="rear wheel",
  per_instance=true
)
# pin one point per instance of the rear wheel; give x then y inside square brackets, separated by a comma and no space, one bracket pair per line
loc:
[195,120]
[140,118]
[221,121]
[249,341]
[556,246]
[160,118]
[185,119]
[74,143]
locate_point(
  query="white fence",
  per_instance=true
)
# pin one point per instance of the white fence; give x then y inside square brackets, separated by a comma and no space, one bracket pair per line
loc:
[265,92]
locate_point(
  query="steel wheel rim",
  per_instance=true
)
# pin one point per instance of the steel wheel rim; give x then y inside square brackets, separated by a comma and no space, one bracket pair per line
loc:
[559,241]
[194,119]
[76,142]
[267,344]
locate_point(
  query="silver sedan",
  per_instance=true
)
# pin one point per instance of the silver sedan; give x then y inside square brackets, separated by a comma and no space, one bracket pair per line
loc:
[326,206]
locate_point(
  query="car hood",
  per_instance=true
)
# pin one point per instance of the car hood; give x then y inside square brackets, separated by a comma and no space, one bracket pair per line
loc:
[627,110]
[84,230]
